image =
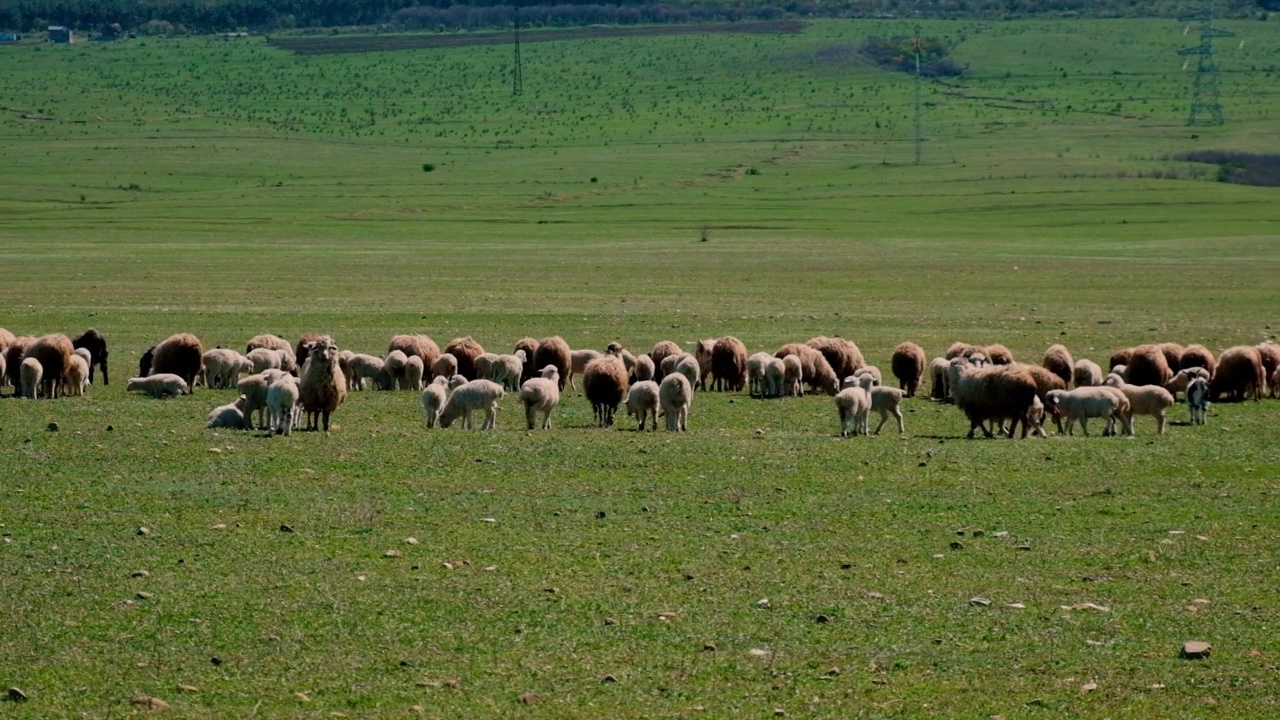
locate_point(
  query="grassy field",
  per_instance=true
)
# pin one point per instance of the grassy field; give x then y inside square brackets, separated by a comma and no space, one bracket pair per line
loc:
[229,188]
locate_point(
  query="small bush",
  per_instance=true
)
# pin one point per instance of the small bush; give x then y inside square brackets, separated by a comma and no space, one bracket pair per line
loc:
[428,167]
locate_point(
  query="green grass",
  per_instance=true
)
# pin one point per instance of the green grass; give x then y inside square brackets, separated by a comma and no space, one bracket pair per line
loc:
[229,189]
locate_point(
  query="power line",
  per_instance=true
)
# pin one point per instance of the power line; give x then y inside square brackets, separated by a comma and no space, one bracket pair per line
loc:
[1206,84]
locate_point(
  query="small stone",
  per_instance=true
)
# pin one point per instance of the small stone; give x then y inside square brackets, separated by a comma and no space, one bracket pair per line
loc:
[493,520]
[763,603]
[286,529]
[111,428]
[144,531]
[17,695]
[149,702]
[1016,606]
[779,712]
[979,601]
[392,554]
[215,450]
[302,697]
[708,647]
[139,574]
[1088,687]
[1022,546]
[979,533]
[957,545]
[1087,606]
[143,595]
[1200,601]
[1157,686]
[452,683]
[53,427]
[219,526]
[758,652]
[528,698]
[822,619]
[960,533]
[610,621]
[189,688]
[600,515]
[1196,649]
[1202,538]
[411,540]
[1000,533]
[361,578]
[608,679]
[666,615]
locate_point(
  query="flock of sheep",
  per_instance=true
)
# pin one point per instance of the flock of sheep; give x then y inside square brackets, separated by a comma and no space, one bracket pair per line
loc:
[283,381]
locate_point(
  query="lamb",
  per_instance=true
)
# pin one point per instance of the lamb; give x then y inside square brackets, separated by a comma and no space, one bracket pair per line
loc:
[472,396]
[413,372]
[160,385]
[229,416]
[1270,353]
[661,351]
[702,351]
[841,355]
[960,349]
[529,347]
[1086,373]
[266,359]
[628,360]
[978,359]
[434,396]
[578,360]
[507,370]
[938,379]
[1198,399]
[644,369]
[344,363]
[604,382]
[1240,374]
[484,364]
[1147,366]
[1198,356]
[1084,403]
[688,366]
[1172,355]
[222,367]
[54,353]
[994,393]
[283,395]
[1179,382]
[1045,381]
[364,367]
[1150,400]
[456,382]
[674,396]
[908,366]
[872,372]
[255,389]
[77,375]
[445,366]
[888,402]
[93,342]
[998,354]
[466,350]
[792,376]
[853,404]
[817,371]
[392,376]
[420,345]
[668,365]
[728,364]
[1057,360]
[554,351]
[643,402]
[775,377]
[30,375]
[540,395]
[755,373]
[322,388]
[181,355]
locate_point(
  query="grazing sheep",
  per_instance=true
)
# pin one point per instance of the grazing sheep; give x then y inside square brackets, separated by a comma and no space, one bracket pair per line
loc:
[1084,403]
[978,359]
[1172,355]
[392,376]
[456,382]
[888,402]
[93,342]
[540,395]
[643,402]
[229,416]
[853,404]
[269,341]
[1179,382]
[528,346]
[702,351]
[960,349]
[1274,383]
[674,396]
[1120,370]
[77,381]
[1086,373]
[1120,357]
[144,362]
[775,377]
[1057,360]
[755,373]
[604,382]
[1045,381]
[908,366]
[420,345]
[816,370]
[282,403]
[554,351]
[1240,374]
[843,356]
[54,353]
[30,375]
[413,372]
[473,395]
[364,367]
[644,369]
[4,374]
[159,385]
[181,355]
[1198,399]
[322,388]
[1147,366]
[266,359]
[688,366]
[668,364]
[872,372]
[792,377]
[1150,400]
[434,396]
[255,388]
[661,351]
[1270,353]
[13,355]
[466,350]
[728,364]
[6,339]
[1198,356]
[998,354]
[344,363]
[578,360]
[484,365]
[506,370]
[994,393]
[222,367]
[938,379]
[445,366]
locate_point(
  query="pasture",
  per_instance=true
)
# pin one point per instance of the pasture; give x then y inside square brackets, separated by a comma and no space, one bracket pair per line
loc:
[639,189]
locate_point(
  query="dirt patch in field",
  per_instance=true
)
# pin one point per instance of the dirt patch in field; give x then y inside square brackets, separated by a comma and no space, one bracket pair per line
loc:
[386,43]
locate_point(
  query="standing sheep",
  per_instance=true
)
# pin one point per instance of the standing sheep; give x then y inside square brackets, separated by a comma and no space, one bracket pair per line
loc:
[1198,356]
[222,367]
[775,377]
[554,351]
[413,372]
[77,375]
[144,362]
[1179,382]
[841,355]
[269,341]
[323,387]
[254,389]
[755,373]
[434,396]
[93,341]
[529,347]
[816,370]
[466,350]
[1086,373]
[1172,355]
[472,396]
[644,369]
[938,379]
[662,350]
[540,395]
[13,355]
[1084,403]
[159,385]
[420,345]
[994,393]
[853,404]
[1057,360]
[506,370]
[30,375]
[1239,375]
[1147,366]
[445,366]
[265,359]
[282,404]
[729,364]
[1150,400]
[1270,354]
[998,354]
[675,395]
[792,377]
[229,416]
[364,367]
[888,402]
[643,402]
[578,360]
[688,366]
[908,366]
[181,355]
[1119,357]
[294,359]
[1198,399]
[484,365]
[392,376]
[604,382]
[702,351]
[54,353]
[1274,383]
[960,349]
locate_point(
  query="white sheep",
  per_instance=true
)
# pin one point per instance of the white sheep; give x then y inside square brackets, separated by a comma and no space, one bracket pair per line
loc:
[643,402]
[1150,400]
[266,359]
[282,404]
[484,365]
[793,373]
[445,366]
[469,397]
[540,395]
[434,396]
[775,375]
[364,367]
[888,401]
[393,365]
[1198,394]
[644,369]
[852,405]
[506,370]
[77,381]
[1086,373]
[675,395]
[689,366]
[31,373]
[229,416]
[457,381]
[413,371]
[938,376]
[222,367]
[159,385]
[578,360]
[344,364]
[755,373]
[255,388]
[1087,402]
[870,371]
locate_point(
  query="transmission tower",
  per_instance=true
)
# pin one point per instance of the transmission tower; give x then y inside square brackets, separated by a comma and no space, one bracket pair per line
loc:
[517,75]
[917,44]
[1206,85]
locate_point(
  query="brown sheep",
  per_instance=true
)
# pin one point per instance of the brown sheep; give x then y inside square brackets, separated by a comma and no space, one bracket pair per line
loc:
[1147,366]
[814,368]
[554,351]
[6,339]
[1172,355]
[182,355]
[466,350]
[843,356]
[998,354]
[13,355]
[1270,353]
[908,364]
[661,351]
[1046,380]
[1240,374]
[1058,360]
[421,346]
[306,343]
[530,347]
[323,387]
[1120,357]
[728,364]
[960,349]
[53,352]
[702,353]
[1198,356]
[268,341]
[604,382]
[996,393]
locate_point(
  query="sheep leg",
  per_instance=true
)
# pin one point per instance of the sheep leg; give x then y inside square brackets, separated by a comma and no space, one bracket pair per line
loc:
[1159,423]
[530,414]
[325,414]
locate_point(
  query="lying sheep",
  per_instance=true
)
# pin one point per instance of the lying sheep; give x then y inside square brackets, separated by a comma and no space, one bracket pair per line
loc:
[434,396]
[540,395]
[1179,382]
[1084,403]
[1150,400]
[445,366]
[675,395]
[1086,373]
[908,364]
[1198,399]
[229,416]
[413,372]
[938,379]
[775,377]
[853,404]
[792,374]
[755,373]
[643,402]
[473,395]
[159,385]
[283,396]
[31,374]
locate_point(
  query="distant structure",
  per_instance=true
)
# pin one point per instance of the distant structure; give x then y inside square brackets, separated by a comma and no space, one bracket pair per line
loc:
[917,44]
[60,34]
[1206,85]
[10,36]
